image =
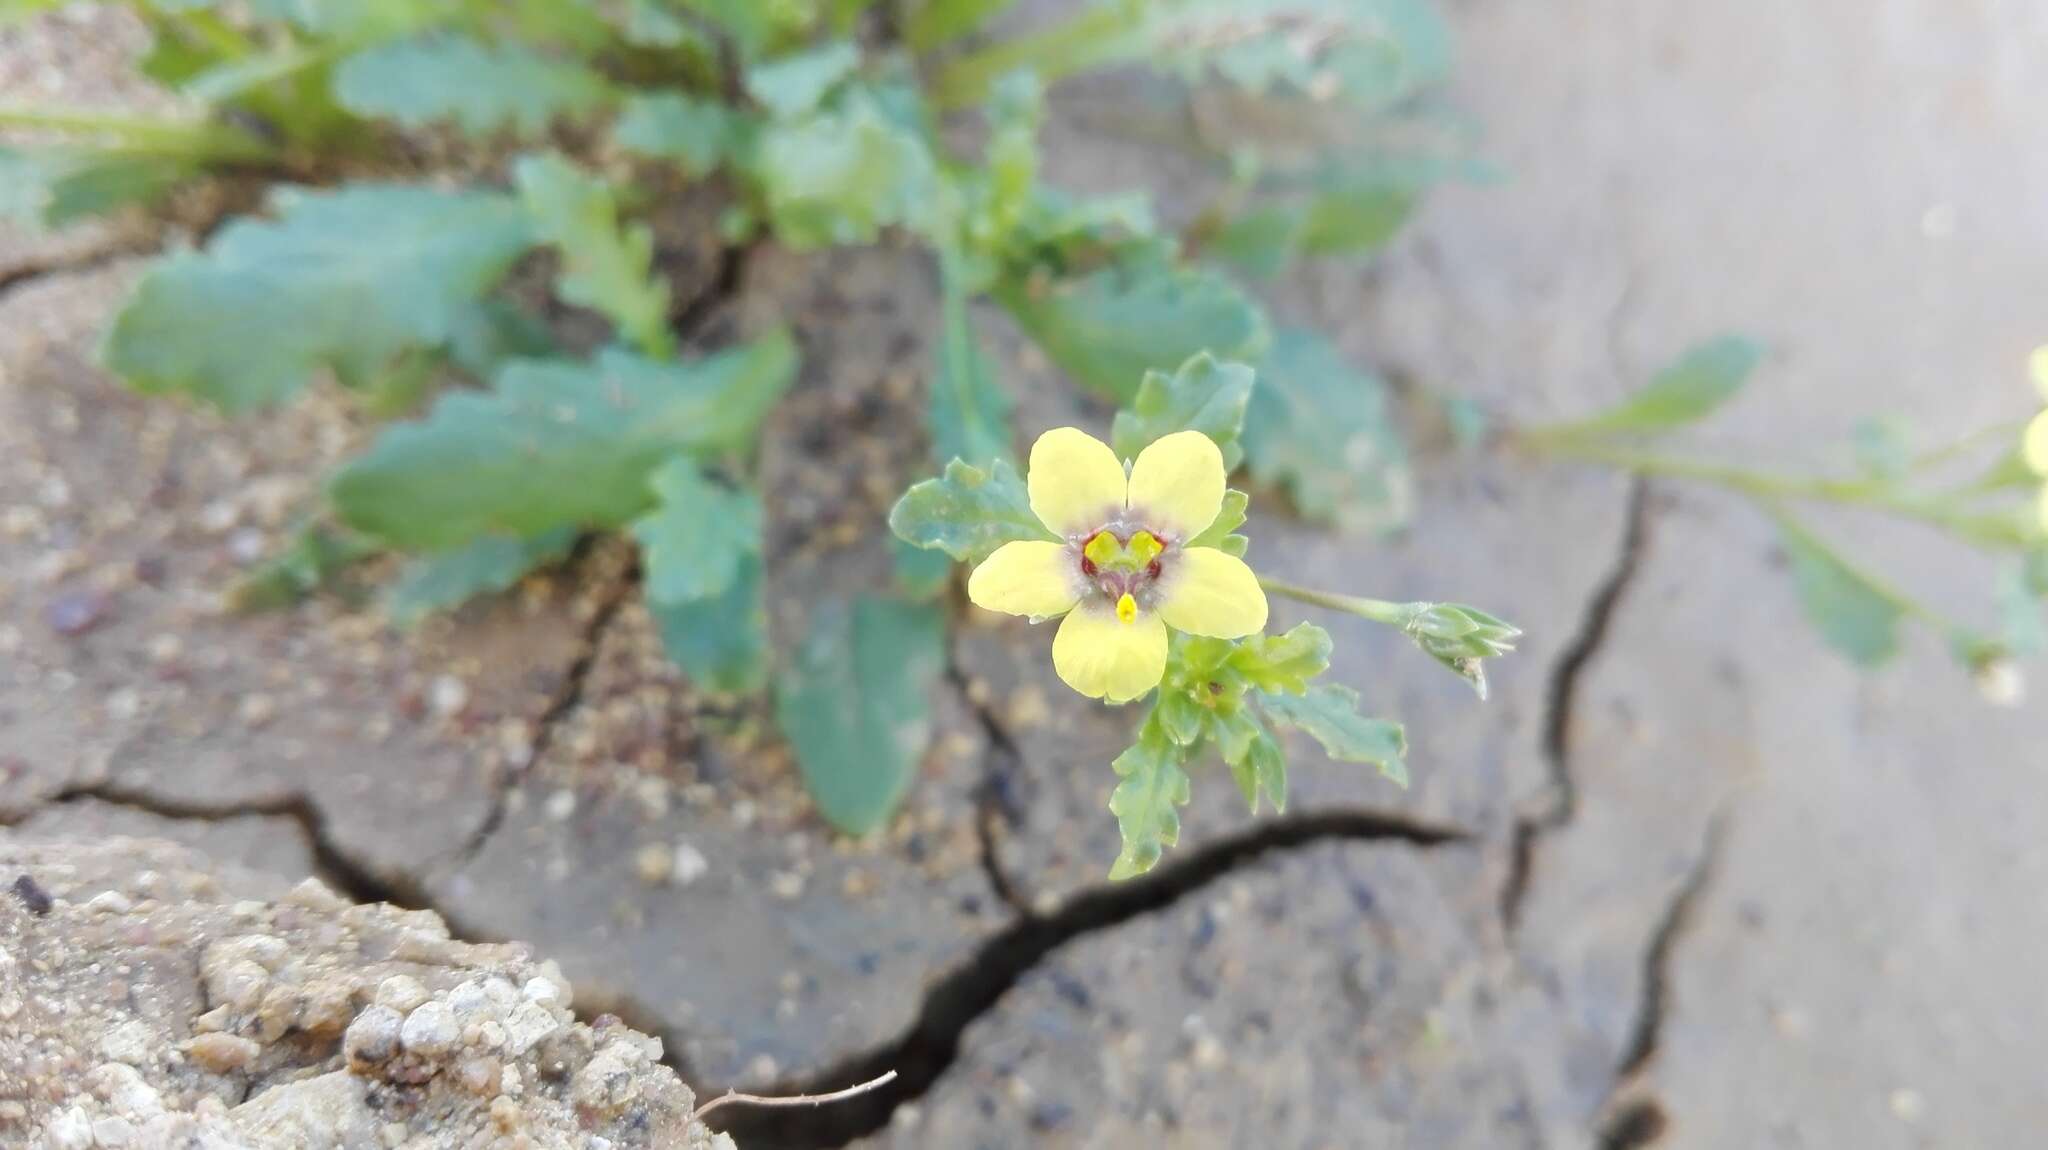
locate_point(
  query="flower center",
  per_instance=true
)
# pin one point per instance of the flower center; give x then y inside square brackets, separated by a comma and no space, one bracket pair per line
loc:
[1123,569]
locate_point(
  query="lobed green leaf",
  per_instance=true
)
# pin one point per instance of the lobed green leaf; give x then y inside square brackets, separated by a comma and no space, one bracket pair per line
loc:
[483,89]
[1282,664]
[448,580]
[1323,431]
[606,267]
[1329,714]
[1204,395]
[1855,614]
[838,177]
[721,642]
[970,411]
[1108,328]
[967,512]
[697,135]
[348,279]
[856,705]
[1701,381]
[51,187]
[1153,785]
[557,444]
[693,544]
[792,85]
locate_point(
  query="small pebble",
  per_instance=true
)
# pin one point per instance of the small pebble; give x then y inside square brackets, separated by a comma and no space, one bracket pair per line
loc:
[401,992]
[223,1053]
[690,864]
[1907,1104]
[373,1037]
[430,1030]
[74,613]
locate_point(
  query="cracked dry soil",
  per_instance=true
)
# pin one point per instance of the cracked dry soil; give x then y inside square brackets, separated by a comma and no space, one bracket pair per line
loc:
[1661,891]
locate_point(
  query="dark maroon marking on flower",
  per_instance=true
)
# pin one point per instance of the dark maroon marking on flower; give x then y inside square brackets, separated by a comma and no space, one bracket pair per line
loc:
[1087,567]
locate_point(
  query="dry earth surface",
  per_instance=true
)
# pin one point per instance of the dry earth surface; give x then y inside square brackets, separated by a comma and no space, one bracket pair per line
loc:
[1687,881]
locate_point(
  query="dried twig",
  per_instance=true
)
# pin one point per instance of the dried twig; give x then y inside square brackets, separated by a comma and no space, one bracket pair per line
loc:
[794,1099]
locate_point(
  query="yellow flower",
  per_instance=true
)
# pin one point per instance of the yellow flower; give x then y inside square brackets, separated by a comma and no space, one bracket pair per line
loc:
[1123,572]
[2036,443]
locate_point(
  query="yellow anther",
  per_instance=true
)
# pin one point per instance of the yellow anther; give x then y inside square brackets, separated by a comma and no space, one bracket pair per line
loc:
[1127,608]
[1144,548]
[1103,549]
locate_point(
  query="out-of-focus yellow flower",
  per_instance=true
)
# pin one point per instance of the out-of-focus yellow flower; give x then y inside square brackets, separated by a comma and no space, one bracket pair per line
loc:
[2036,443]
[1123,571]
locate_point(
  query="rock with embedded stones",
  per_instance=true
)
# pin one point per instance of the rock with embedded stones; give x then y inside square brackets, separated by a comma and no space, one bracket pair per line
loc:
[429,1079]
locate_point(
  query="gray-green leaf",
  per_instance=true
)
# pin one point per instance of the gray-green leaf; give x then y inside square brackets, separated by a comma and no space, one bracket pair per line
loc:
[605,267]
[967,512]
[1108,328]
[1702,380]
[721,643]
[448,580]
[839,177]
[347,279]
[1154,784]
[789,86]
[1854,613]
[1205,395]
[697,135]
[970,411]
[557,444]
[693,544]
[1329,714]
[51,187]
[856,705]
[1322,430]
[481,88]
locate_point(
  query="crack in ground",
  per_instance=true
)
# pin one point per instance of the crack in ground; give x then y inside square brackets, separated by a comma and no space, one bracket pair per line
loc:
[558,709]
[27,273]
[1561,701]
[995,798]
[925,1051]
[331,865]
[1642,1121]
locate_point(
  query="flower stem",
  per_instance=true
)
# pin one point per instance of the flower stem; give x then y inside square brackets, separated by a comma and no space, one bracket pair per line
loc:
[194,138]
[1090,37]
[1991,530]
[1377,610]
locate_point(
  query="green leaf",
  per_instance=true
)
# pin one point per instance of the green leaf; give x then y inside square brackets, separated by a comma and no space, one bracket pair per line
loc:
[2021,625]
[1283,663]
[1154,783]
[1855,614]
[721,643]
[346,279]
[557,444]
[789,86]
[1268,763]
[1371,54]
[483,89]
[1329,714]
[1204,395]
[605,267]
[1702,380]
[1180,716]
[837,178]
[856,705]
[1883,448]
[313,557]
[697,135]
[920,575]
[1254,757]
[970,411]
[1322,431]
[1219,532]
[967,512]
[1108,328]
[51,187]
[693,544]
[491,564]
[1345,209]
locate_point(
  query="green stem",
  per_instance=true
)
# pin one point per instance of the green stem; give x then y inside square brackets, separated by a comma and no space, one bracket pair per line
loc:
[1377,610]
[193,138]
[2007,432]
[1986,530]
[1091,37]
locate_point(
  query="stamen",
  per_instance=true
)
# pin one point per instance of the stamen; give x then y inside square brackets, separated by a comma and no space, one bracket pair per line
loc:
[1126,608]
[1145,547]
[1103,548]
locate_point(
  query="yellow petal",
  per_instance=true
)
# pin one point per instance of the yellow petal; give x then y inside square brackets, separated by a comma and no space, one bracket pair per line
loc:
[2037,366]
[1177,485]
[1206,592]
[2036,444]
[1076,481]
[1104,657]
[1027,577]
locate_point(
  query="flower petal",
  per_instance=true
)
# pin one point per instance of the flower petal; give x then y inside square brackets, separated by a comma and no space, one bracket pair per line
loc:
[1076,482]
[1027,577]
[1104,657]
[1177,485]
[2036,444]
[1206,592]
